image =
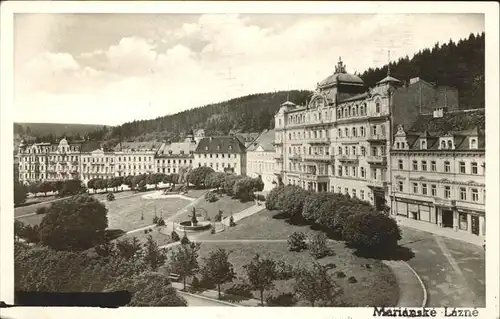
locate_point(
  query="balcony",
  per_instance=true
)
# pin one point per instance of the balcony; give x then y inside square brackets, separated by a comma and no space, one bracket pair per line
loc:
[314,177]
[354,159]
[377,160]
[278,157]
[295,157]
[377,138]
[316,141]
[377,183]
[317,157]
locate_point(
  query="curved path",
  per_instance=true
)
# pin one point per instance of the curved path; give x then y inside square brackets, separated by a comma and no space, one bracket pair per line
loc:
[412,292]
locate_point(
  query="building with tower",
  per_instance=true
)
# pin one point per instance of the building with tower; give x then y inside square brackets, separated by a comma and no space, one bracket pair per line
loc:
[340,139]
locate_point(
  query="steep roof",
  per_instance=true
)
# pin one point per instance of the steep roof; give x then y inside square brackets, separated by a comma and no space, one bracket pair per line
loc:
[361,96]
[90,146]
[247,138]
[220,144]
[265,140]
[176,149]
[137,146]
[451,121]
[344,78]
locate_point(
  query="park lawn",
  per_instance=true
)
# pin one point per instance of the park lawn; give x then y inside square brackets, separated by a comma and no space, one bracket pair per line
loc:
[159,237]
[125,214]
[261,225]
[225,203]
[376,286]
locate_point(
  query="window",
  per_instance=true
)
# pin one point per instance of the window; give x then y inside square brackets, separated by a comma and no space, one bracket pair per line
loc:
[447,192]
[443,144]
[354,150]
[424,165]
[353,192]
[362,172]
[362,129]
[447,167]
[362,194]
[475,195]
[433,166]
[339,189]
[346,191]
[400,186]
[473,167]
[450,144]
[400,164]
[346,132]
[473,143]
[462,167]
[354,133]
[423,144]
[339,131]
[424,189]
[415,188]
[377,107]
[363,150]
[463,193]
[415,165]
[433,190]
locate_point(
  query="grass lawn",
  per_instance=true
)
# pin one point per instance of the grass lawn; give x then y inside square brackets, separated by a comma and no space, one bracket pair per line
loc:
[159,237]
[262,225]
[125,214]
[225,203]
[375,287]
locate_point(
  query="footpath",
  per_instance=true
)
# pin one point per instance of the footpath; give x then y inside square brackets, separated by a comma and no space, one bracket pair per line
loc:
[412,292]
[212,295]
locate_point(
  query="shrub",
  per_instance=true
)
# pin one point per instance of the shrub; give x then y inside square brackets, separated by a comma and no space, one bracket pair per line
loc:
[110,197]
[318,247]
[142,186]
[368,266]
[211,197]
[372,232]
[313,203]
[206,283]
[292,201]
[297,241]
[243,189]
[185,240]
[340,274]
[243,290]
[218,217]
[195,284]
[155,220]
[160,222]
[272,198]
[231,221]
[174,236]
[286,299]
[146,231]
[42,210]
[352,280]
[284,271]
[229,182]
[212,230]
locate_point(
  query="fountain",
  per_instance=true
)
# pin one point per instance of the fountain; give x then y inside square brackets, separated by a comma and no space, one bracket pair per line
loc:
[194,225]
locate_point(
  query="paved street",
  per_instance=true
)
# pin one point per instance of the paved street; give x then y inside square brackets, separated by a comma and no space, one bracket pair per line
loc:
[452,271]
[194,301]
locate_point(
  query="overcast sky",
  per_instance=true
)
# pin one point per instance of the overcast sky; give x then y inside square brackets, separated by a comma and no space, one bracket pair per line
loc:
[114,68]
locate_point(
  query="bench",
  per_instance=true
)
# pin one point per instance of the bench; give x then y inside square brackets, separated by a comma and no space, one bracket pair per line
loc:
[174,276]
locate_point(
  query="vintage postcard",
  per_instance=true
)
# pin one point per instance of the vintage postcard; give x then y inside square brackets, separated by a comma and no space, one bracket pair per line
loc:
[330,159]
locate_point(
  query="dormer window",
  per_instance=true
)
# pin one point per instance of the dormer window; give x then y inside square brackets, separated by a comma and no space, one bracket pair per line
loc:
[218,147]
[443,144]
[450,144]
[473,143]
[206,148]
[423,144]
[230,147]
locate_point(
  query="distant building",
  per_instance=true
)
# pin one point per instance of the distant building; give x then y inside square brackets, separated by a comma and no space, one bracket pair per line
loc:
[135,158]
[172,157]
[222,154]
[246,138]
[438,172]
[340,140]
[96,163]
[261,158]
[45,161]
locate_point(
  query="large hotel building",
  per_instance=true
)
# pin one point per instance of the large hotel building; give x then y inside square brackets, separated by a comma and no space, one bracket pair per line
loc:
[340,140]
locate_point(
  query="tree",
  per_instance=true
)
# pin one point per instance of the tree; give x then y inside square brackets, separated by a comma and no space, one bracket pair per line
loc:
[106,249]
[150,289]
[372,232]
[272,198]
[318,247]
[229,182]
[19,193]
[292,202]
[71,187]
[153,255]
[218,268]
[75,223]
[313,204]
[45,187]
[184,260]
[261,274]
[128,248]
[110,197]
[243,189]
[198,175]
[316,285]
[18,229]
[297,241]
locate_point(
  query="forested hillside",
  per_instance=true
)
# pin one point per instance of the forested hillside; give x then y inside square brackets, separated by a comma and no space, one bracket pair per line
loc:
[51,132]
[455,64]
[459,65]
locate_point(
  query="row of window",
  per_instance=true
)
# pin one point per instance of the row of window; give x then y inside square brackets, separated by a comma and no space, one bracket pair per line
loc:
[53,149]
[176,161]
[71,158]
[339,189]
[216,165]
[445,143]
[49,167]
[346,150]
[97,160]
[462,167]
[217,155]
[149,158]
[346,132]
[431,189]
[135,166]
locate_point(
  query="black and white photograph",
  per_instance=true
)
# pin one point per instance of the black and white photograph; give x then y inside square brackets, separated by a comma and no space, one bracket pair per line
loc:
[213,154]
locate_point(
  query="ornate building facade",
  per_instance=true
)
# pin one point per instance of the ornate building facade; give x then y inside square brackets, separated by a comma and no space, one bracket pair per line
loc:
[438,172]
[97,164]
[45,161]
[173,157]
[340,140]
[135,158]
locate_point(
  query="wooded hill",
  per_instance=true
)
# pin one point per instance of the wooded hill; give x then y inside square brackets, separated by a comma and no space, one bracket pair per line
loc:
[460,65]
